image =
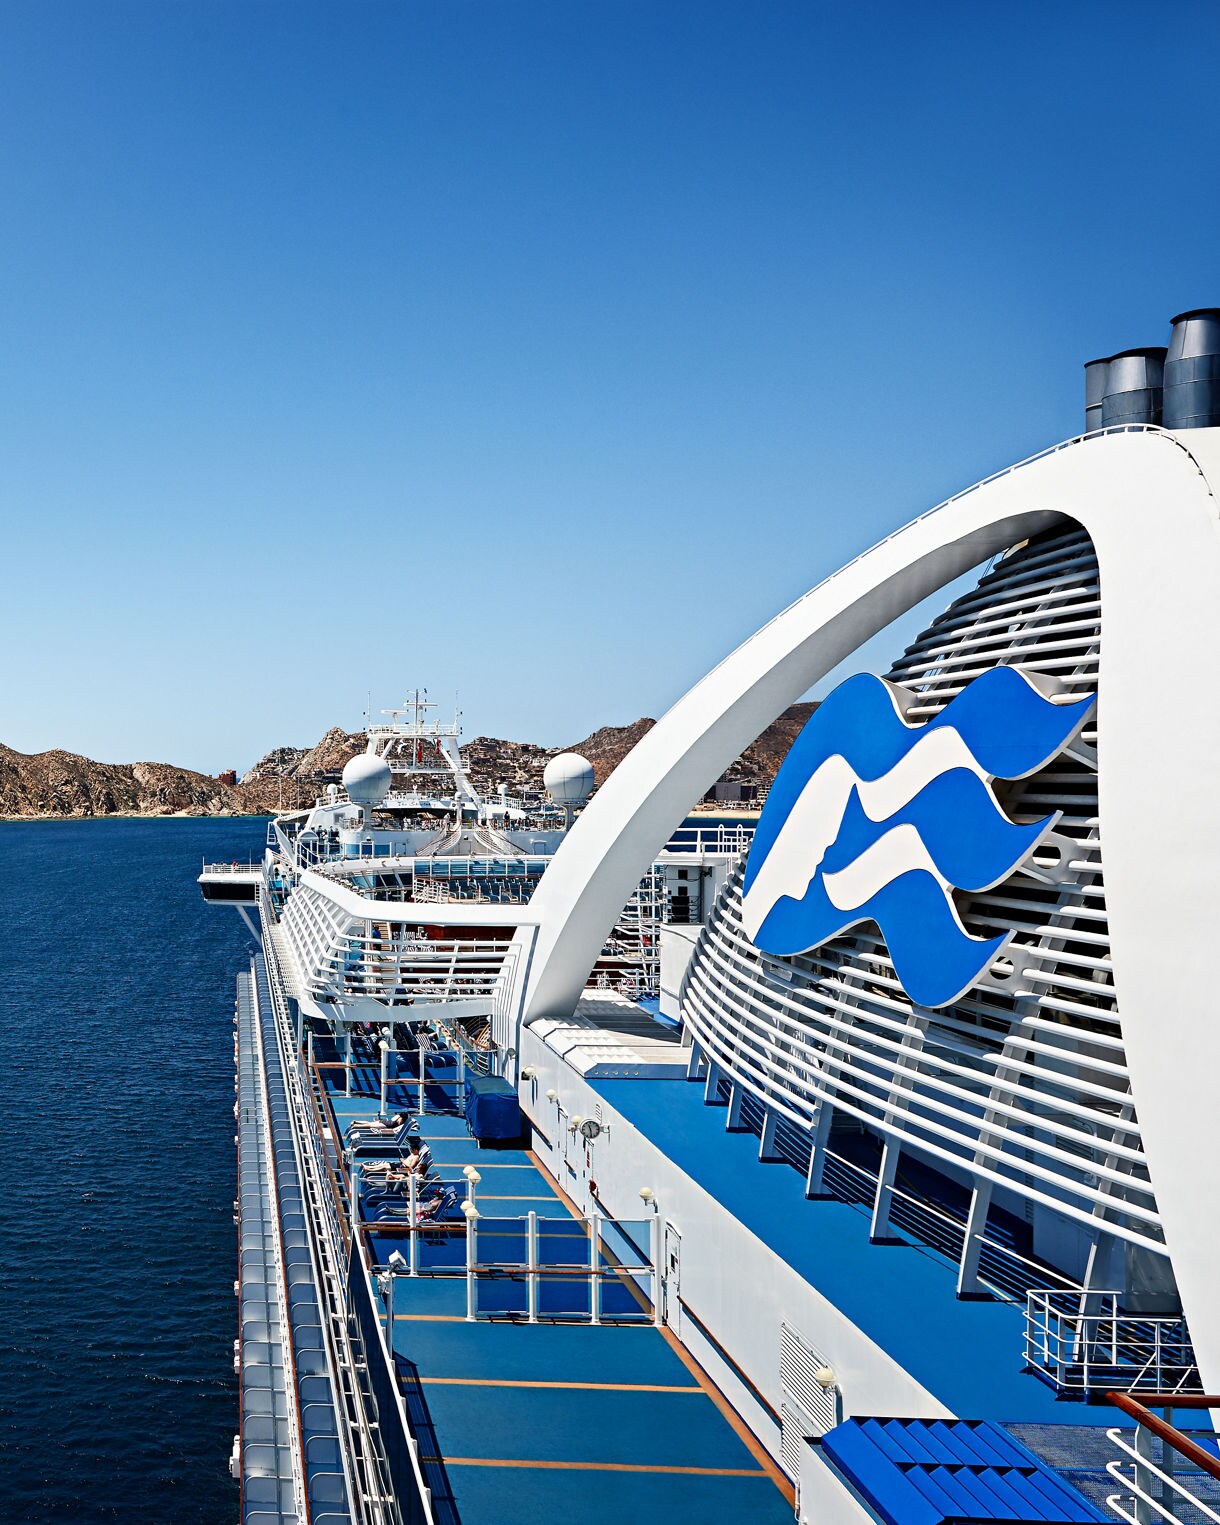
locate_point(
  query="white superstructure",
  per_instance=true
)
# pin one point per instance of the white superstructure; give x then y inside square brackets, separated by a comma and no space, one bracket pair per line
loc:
[1037,1142]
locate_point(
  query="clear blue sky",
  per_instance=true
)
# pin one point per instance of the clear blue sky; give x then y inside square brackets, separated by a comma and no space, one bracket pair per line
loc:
[537,351]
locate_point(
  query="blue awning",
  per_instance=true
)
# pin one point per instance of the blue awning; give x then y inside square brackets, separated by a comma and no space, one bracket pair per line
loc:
[950,1472]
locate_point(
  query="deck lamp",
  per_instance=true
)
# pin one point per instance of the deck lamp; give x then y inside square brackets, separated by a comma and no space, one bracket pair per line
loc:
[528,1072]
[825,1377]
[646,1195]
[471,1174]
[397,1262]
[469,1211]
[552,1095]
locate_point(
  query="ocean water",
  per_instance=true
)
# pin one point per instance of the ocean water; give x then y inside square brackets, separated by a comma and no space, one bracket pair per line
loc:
[117,1246]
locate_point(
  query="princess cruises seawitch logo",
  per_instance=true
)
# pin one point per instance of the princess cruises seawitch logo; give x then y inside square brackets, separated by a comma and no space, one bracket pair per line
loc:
[873,819]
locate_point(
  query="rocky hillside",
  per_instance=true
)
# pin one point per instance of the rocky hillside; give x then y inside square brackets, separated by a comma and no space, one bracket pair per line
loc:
[61,784]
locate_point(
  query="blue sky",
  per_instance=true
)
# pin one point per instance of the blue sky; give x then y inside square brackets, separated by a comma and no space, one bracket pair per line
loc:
[538,351]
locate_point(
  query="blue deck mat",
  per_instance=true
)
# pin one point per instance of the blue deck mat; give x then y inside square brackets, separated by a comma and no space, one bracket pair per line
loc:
[558,1424]
[521,1496]
[544,1353]
[969,1354]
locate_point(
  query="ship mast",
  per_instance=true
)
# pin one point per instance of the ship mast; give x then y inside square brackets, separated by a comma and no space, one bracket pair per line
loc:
[412,743]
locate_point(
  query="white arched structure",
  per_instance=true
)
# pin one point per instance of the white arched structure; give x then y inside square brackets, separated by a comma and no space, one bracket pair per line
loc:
[1145,500]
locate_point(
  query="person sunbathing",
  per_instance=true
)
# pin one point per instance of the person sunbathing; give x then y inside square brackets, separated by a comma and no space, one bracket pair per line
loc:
[378,1124]
[414,1163]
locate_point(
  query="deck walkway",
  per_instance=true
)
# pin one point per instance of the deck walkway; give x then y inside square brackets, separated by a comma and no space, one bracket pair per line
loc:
[970,1354]
[557,1420]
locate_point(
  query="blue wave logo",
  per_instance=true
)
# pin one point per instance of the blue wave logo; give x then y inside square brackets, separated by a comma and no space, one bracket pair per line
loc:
[872,819]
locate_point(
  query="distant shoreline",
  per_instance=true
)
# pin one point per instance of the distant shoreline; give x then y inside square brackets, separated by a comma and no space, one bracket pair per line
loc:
[118,815]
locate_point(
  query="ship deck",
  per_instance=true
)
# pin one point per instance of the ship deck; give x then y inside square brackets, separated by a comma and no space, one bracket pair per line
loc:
[969,1354]
[525,1422]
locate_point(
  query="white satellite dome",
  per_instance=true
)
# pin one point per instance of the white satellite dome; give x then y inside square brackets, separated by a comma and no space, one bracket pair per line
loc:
[569,778]
[367,779]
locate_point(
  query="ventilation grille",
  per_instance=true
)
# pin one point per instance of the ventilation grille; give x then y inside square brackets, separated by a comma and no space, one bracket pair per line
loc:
[806,1408]
[1023,1081]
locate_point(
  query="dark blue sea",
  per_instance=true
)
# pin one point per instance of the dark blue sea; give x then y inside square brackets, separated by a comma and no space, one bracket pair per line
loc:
[117,1246]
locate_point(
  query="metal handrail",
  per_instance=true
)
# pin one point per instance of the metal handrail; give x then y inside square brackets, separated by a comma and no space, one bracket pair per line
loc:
[1142,1501]
[1081,1340]
[1164,1431]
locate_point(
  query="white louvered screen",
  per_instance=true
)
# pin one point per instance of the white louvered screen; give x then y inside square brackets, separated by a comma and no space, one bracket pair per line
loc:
[806,1408]
[793,1433]
[1023,1081]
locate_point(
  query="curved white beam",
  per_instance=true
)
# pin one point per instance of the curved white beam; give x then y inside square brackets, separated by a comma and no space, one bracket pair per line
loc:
[1147,505]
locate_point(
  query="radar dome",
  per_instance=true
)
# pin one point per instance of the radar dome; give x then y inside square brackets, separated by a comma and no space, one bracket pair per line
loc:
[568,778]
[367,779]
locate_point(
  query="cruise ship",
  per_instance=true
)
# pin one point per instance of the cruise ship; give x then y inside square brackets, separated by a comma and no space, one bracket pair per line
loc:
[602,1158]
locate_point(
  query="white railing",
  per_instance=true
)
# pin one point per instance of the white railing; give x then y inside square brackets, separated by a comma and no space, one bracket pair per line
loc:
[1176,1481]
[1082,1343]
[720,840]
[363,1457]
[1141,1501]
[595,1268]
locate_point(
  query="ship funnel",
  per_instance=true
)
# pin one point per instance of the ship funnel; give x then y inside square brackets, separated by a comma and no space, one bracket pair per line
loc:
[1134,388]
[1094,391]
[1192,371]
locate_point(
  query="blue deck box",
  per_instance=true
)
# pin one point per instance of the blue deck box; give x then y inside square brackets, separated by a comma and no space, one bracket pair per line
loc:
[492,1108]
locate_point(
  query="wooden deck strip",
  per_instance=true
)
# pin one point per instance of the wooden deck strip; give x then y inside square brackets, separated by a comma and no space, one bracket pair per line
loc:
[596,1466]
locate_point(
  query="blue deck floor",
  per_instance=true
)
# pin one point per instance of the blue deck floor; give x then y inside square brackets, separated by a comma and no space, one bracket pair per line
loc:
[538,1423]
[969,1354]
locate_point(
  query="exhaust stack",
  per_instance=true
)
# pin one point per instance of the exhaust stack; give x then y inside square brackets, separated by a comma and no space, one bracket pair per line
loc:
[1192,371]
[1135,380]
[1177,387]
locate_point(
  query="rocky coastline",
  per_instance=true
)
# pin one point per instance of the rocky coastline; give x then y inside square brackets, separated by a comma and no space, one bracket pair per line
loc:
[62,786]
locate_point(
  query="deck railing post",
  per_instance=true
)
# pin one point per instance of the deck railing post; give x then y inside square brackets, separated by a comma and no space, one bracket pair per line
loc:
[461,1079]
[531,1279]
[1143,1477]
[595,1255]
[471,1262]
[385,1073]
[413,1221]
[654,1254]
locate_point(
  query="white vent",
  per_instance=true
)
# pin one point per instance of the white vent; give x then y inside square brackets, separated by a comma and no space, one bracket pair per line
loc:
[793,1433]
[806,1407]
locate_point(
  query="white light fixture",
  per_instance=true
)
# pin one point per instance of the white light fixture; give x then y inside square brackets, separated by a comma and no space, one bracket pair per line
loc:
[397,1261]
[552,1095]
[469,1211]
[645,1195]
[528,1072]
[472,1175]
[824,1377]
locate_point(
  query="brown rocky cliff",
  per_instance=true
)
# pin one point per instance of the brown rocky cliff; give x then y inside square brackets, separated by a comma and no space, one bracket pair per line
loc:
[62,784]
